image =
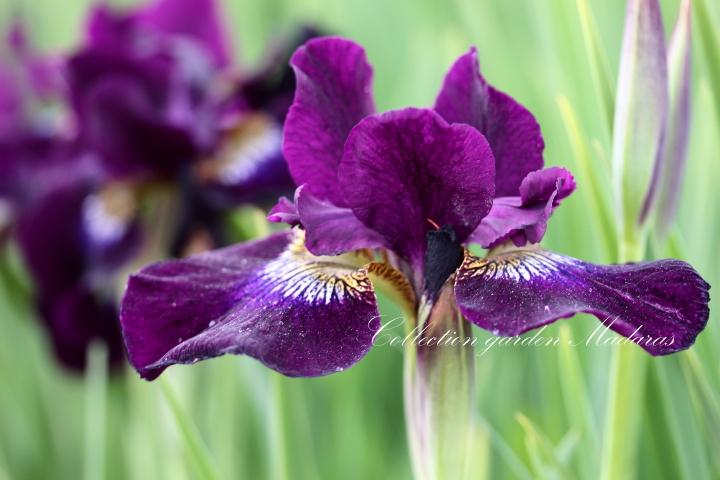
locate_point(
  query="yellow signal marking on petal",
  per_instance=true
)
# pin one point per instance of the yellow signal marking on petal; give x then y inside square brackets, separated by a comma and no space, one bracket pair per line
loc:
[515,265]
[400,288]
[300,275]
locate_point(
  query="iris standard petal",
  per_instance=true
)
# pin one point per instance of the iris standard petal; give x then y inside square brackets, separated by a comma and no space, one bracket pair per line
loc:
[512,131]
[406,169]
[196,19]
[333,94]
[122,124]
[145,106]
[524,218]
[269,299]
[662,305]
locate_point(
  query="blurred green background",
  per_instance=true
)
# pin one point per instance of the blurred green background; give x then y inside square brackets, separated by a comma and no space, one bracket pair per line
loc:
[540,410]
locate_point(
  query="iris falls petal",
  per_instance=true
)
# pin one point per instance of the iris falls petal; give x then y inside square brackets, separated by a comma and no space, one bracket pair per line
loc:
[269,299]
[662,305]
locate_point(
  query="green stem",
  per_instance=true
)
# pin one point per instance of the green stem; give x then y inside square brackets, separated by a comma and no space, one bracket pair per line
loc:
[95,411]
[191,437]
[625,398]
[439,393]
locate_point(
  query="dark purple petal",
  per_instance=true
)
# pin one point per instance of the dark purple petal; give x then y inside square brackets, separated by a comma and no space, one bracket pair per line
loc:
[108,29]
[329,229]
[268,299]
[512,131]
[333,94]
[122,124]
[404,169]
[50,239]
[68,237]
[71,247]
[162,22]
[332,230]
[76,318]
[524,219]
[196,19]
[145,106]
[42,73]
[32,164]
[11,104]
[662,305]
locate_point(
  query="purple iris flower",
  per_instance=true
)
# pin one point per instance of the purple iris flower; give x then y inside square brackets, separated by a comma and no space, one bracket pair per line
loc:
[393,199]
[50,185]
[140,85]
[150,99]
[73,246]
[156,99]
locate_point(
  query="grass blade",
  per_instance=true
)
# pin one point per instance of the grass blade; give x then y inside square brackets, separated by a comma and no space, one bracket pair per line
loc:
[191,437]
[681,421]
[711,46]
[95,411]
[577,401]
[599,64]
[588,176]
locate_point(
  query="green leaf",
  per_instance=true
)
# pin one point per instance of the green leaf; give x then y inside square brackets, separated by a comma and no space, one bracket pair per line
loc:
[707,27]
[577,401]
[599,64]
[589,178]
[682,423]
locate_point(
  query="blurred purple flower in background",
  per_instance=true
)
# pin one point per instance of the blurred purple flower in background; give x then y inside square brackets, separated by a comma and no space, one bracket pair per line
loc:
[148,102]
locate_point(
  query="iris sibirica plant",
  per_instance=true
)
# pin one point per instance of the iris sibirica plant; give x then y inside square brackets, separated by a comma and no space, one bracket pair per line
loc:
[392,201]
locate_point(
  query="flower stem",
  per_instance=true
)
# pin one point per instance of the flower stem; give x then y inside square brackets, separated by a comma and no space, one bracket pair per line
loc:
[439,393]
